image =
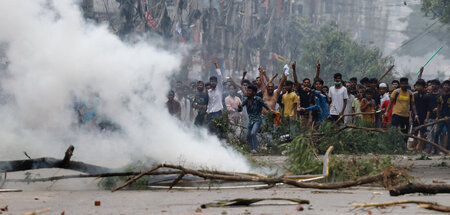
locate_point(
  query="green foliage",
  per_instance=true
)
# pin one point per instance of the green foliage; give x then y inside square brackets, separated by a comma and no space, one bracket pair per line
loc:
[438,9]
[301,157]
[360,141]
[337,52]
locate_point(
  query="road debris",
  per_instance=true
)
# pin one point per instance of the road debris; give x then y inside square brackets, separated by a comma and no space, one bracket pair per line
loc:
[419,188]
[248,201]
[422,204]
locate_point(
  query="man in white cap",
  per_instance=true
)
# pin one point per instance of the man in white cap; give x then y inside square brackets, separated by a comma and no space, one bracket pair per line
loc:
[383,92]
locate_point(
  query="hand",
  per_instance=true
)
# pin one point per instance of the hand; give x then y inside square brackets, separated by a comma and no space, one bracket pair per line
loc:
[416,118]
[435,110]
[245,72]
[293,65]
[302,109]
[216,64]
[318,64]
[426,121]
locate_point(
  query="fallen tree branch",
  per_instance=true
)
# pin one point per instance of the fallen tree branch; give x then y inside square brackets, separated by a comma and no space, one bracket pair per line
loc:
[385,73]
[429,124]
[429,142]
[362,128]
[175,182]
[419,188]
[46,162]
[354,114]
[249,201]
[382,177]
[422,204]
[100,175]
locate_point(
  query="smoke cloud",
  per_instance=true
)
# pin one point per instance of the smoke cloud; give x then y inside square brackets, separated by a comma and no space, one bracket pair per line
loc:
[56,60]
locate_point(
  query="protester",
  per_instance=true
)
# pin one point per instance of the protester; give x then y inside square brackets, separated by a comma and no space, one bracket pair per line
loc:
[173,106]
[356,104]
[232,103]
[215,105]
[368,105]
[200,104]
[339,97]
[443,111]
[394,85]
[290,101]
[421,101]
[348,108]
[254,105]
[321,106]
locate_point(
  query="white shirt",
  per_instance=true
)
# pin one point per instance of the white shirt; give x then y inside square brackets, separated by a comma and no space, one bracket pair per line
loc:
[215,95]
[384,97]
[337,99]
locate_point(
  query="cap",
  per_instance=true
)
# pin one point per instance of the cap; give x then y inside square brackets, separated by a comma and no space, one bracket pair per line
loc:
[383,85]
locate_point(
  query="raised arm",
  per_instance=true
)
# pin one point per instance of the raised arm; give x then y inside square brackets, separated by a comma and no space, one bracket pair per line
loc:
[274,76]
[297,84]
[265,77]
[317,71]
[263,85]
[244,92]
[219,76]
[243,76]
[280,85]
[420,73]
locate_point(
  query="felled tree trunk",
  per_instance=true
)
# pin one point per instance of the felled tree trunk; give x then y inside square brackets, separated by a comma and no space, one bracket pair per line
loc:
[420,188]
[47,162]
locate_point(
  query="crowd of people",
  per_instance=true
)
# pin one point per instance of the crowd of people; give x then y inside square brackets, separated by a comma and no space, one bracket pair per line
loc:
[309,103]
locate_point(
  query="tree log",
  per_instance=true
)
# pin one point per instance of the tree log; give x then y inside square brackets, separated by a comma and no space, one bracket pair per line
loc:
[422,204]
[420,188]
[428,124]
[444,150]
[46,162]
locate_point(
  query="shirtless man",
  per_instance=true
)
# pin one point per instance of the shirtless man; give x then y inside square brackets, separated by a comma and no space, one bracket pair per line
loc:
[269,95]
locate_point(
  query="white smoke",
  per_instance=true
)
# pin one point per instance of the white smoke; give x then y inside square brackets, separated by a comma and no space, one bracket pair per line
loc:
[56,59]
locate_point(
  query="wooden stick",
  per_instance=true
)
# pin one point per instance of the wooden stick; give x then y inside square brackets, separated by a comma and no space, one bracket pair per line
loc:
[37,212]
[421,204]
[419,188]
[363,128]
[429,124]
[429,142]
[175,182]
[389,69]
[248,178]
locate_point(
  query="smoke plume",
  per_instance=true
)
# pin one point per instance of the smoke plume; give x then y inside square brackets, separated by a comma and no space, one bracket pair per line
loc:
[56,60]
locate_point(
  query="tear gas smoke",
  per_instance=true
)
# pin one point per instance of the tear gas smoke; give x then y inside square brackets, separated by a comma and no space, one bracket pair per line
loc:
[57,60]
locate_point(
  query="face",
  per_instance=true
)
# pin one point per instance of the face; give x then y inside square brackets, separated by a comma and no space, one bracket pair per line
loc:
[270,88]
[353,83]
[369,96]
[258,81]
[383,90]
[419,88]
[338,79]
[325,89]
[434,87]
[250,93]
[289,88]
[360,93]
[348,85]
[208,87]
[245,85]
[429,89]
[446,88]
[213,84]
[394,85]
[404,85]
[232,90]
[306,83]
[178,85]
[200,86]
[170,96]
[318,85]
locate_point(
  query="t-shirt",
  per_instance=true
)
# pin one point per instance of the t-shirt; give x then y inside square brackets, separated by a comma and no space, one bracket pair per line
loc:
[369,108]
[444,102]
[433,104]
[422,102]
[337,99]
[289,100]
[402,104]
[356,104]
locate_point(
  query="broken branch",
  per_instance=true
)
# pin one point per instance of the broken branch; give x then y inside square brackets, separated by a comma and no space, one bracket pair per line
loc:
[422,204]
[419,188]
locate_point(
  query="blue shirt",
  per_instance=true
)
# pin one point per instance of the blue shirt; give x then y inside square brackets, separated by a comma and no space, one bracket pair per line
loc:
[254,111]
[321,106]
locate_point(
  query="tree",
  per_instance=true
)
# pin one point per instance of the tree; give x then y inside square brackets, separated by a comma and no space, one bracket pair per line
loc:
[438,8]
[337,52]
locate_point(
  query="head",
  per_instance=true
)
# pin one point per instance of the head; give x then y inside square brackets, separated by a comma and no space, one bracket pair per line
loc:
[382,88]
[270,88]
[395,84]
[200,86]
[171,95]
[226,84]
[368,94]
[337,79]
[354,81]
[318,84]
[178,85]
[208,86]
[348,85]
[373,83]
[446,86]
[325,89]
[232,89]
[289,86]
[245,83]
[404,83]
[360,93]
[258,81]
[420,85]
[213,82]
[186,90]
[365,82]
[251,91]
[306,82]
[435,84]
